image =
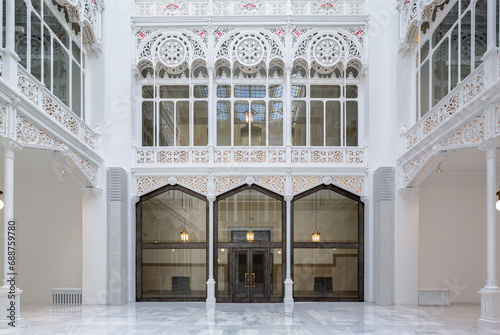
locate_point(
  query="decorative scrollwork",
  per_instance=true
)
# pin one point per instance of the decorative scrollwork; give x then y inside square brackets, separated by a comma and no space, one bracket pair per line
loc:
[273,183]
[327,51]
[27,87]
[249,51]
[223,184]
[171,52]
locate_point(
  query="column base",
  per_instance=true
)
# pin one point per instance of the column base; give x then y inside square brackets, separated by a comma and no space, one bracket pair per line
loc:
[10,307]
[288,300]
[490,308]
[210,294]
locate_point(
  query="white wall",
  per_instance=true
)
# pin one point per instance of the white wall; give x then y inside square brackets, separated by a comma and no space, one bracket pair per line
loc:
[452,238]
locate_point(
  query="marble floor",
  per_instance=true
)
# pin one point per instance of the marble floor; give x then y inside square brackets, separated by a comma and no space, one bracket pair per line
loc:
[249,319]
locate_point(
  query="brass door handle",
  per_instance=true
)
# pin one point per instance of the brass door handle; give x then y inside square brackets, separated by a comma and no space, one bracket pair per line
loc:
[246,282]
[253,279]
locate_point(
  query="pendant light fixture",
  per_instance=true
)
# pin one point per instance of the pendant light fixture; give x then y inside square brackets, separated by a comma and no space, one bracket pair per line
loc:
[184,234]
[316,235]
[1,202]
[250,234]
[498,201]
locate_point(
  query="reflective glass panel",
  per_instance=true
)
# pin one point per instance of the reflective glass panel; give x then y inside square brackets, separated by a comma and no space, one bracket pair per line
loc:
[21,17]
[223,273]
[223,91]
[480,33]
[201,91]
[47,60]
[275,91]
[165,216]
[351,91]
[166,123]
[351,123]
[298,91]
[200,132]
[454,57]
[424,89]
[242,119]
[275,123]
[61,73]
[148,123]
[316,124]
[249,91]
[325,91]
[76,87]
[299,126]
[333,215]
[148,92]
[325,273]
[466,46]
[258,123]
[246,210]
[440,72]
[333,123]
[36,47]
[174,92]
[182,123]
[276,268]
[174,273]
[223,123]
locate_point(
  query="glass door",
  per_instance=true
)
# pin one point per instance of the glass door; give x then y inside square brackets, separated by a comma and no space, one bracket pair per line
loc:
[250,275]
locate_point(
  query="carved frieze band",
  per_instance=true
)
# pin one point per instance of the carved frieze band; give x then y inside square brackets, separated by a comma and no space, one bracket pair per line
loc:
[276,184]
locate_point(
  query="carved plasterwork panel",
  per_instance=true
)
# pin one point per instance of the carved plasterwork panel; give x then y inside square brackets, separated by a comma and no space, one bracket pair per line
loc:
[473,87]
[197,184]
[148,184]
[249,156]
[83,168]
[30,135]
[412,169]
[327,156]
[3,110]
[352,184]
[273,183]
[172,156]
[469,135]
[277,156]
[302,183]
[223,184]
[27,87]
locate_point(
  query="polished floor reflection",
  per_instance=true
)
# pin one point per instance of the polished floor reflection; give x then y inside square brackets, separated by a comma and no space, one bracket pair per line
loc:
[249,319]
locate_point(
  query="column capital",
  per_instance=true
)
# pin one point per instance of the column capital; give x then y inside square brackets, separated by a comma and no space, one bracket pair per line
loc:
[9,145]
[491,143]
[211,198]
[288,197]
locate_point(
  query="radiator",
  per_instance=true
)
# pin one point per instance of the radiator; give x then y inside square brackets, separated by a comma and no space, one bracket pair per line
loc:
[434,297]
[66,296]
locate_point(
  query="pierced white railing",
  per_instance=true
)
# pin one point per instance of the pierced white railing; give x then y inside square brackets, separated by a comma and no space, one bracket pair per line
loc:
[460,96]
[250,7]
[221,155]
[50,104]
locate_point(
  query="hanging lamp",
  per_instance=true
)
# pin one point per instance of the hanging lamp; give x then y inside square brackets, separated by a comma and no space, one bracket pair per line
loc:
[316,235]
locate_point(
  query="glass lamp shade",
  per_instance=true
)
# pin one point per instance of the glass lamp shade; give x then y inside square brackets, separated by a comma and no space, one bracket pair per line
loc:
[498,205]
[316,236]
[1,204]
[184,236]
[250,236]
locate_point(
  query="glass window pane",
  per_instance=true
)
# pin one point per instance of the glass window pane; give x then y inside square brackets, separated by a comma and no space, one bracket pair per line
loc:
[166,125]
[275,123]
[250,91]
[166,215]
[61,73]
[351,91]
[200,123]
[201,91]
[445,25]
[148,123]
[83,94]
[440,72]
[76,52]
[55,26]
[241,120]
[182,123]
[223,273]
[258,123]
[424,52]
[275,91]
[316,130]
[424,89]
[223,91]
[47,62]
[480,31]
[36,47]
[276,285]
[334,216]
[299,123]
[4,20]
[333,123]
[465,50]
[76,88]
[148,92]
[174,273]
[351,124]
[37,6]
[21,31]
[174,91]
[249,209]
[325,91]
[454,58]
[325,273]
[298,91]
[223,123]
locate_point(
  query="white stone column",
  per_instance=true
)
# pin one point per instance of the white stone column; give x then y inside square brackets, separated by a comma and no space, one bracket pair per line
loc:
[10,59]
[490,58]
[10,307]
[288,300]
[212,111]
[211,280]
[490,294]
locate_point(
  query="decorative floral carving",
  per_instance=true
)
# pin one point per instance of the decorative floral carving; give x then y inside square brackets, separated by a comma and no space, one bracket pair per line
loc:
[30,135]
[301,183]
[273,183]
[473,87]
[469,135]
[327,156]
[412,168]
[222,156]
[197,184]
[300,156]
[249,156]
[327,51]
[148,184]
[171,52]
[27,87]
[353,184]
[355,156]
[83,168]
[223,184]
[199,156]
[172,156]
[3,110]
[249,51]
[277,156]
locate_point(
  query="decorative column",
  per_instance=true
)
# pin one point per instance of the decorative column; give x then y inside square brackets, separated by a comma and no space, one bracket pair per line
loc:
[490,294]
[288,280]
[9,293]
[287,114]
[212,118]
[211,280]
[10,59]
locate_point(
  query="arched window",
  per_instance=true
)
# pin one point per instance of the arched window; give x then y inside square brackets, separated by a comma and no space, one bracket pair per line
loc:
[328,245]
[171,245]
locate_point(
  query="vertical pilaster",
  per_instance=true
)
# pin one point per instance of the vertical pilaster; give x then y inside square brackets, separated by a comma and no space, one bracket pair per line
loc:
[490,294]
[490,58]
[10,59]
[9,292]
[211,280]
[288,280]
